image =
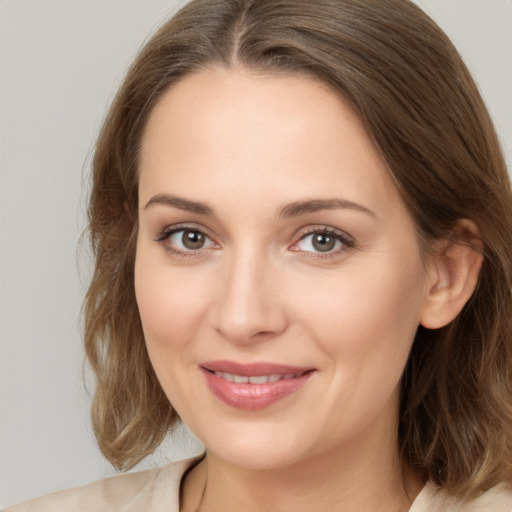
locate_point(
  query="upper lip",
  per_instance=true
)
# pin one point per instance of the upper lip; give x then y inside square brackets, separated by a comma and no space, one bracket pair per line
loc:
[253,369]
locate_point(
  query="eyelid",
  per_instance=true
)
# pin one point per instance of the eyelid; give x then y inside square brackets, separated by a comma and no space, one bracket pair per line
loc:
[180,226]
[165,234]
[347,241]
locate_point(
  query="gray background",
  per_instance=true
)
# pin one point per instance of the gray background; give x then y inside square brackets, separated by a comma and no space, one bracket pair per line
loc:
[60,64]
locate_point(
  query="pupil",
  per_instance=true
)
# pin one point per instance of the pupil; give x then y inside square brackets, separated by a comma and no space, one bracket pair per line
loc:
[193,240]
[323,243]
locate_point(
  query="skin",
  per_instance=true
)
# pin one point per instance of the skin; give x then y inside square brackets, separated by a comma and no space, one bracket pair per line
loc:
[246,146]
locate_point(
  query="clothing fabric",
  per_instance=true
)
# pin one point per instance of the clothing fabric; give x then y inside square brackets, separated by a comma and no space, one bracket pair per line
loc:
[157,490]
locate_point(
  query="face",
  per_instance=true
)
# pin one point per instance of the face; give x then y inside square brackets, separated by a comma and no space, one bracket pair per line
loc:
[278,276]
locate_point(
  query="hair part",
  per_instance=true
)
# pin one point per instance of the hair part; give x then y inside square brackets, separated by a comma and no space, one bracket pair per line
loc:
[399,71]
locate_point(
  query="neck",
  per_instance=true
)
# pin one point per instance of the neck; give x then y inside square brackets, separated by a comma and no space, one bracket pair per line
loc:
[345,479]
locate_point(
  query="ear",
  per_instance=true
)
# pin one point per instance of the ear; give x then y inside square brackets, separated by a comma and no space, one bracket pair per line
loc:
[453,275]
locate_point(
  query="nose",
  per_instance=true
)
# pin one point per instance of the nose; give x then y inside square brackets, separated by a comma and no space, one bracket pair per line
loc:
[249,304]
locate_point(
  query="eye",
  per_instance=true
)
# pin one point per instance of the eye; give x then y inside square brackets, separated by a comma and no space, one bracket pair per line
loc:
[181,240]
[323,241]
[188,239]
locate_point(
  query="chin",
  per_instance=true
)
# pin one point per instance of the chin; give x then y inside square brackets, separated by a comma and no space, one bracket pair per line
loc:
[255,458]
[256,447]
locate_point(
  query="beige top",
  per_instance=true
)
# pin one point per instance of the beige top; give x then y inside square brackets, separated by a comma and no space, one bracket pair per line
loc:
[157,490]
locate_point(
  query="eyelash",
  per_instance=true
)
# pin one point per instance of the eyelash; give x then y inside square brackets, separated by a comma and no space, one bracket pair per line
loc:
[346,241]
[166,234]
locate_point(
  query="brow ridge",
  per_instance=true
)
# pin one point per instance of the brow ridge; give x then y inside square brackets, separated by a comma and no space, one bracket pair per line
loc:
[180,203]
[295,209]
[298,208]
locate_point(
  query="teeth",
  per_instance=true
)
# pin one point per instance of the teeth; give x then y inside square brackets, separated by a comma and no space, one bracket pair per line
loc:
[260,379]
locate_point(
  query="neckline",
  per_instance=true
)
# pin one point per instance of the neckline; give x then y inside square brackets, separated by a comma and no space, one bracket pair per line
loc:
[420,503]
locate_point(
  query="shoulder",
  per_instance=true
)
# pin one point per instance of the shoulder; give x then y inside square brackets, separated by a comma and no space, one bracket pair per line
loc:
[143,490]
[433,499]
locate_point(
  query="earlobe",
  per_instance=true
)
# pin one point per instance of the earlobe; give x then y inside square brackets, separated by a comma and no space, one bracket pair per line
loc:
[453,271]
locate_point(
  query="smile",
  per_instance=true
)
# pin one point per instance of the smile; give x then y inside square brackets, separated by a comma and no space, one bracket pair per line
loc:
[256,379]
[253,386]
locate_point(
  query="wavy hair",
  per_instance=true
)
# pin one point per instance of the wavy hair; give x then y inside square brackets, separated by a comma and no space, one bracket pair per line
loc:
[420,106]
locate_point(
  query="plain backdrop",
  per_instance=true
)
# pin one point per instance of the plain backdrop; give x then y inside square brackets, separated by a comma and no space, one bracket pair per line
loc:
[60,64]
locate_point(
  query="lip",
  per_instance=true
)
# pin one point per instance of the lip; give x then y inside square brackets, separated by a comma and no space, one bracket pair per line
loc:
[249,396]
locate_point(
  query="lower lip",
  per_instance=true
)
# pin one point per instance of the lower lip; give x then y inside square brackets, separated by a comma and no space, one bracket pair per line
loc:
[253,397]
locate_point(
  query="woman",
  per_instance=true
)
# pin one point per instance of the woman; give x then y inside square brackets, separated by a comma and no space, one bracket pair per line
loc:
[304,255]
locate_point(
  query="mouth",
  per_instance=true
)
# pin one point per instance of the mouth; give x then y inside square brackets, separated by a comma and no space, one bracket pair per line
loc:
[253,386]
[256,379]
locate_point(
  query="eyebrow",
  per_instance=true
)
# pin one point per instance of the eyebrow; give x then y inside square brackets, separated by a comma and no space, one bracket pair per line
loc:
[310,206]
[180,203]
[294,209]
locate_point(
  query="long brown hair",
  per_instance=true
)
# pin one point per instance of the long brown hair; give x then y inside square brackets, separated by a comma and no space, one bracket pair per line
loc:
[425,115]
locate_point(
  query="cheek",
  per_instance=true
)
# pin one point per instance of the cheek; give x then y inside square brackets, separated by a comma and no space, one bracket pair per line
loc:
[363,300]
[365,320]
[171,312]
[169,305]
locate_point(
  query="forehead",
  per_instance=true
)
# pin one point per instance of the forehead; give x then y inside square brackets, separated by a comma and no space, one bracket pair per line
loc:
[217,99]
[264,134]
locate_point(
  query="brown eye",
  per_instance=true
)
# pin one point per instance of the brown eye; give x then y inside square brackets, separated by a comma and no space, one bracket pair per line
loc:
[323,242]
[193,239]
[186,240]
